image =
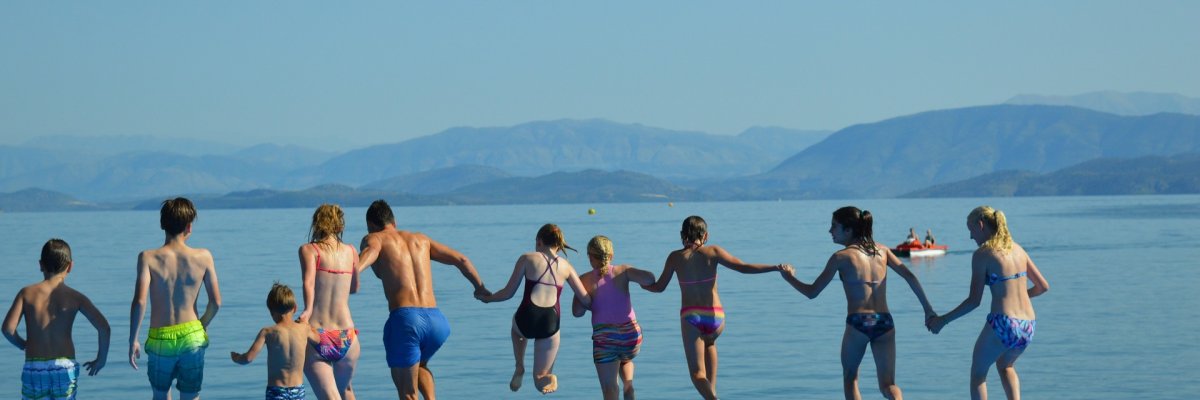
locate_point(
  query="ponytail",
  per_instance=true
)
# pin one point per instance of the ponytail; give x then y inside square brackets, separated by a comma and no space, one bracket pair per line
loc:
[860,223]
[994,219]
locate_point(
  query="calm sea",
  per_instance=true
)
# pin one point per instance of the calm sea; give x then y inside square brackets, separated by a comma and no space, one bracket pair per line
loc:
[1120,321]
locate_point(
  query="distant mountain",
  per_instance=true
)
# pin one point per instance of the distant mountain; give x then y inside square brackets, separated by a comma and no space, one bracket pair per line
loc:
[16,160]
[781,143]
[538,148]
[108,145]
[1177,174]
[34,199]
[1135,103]
[309,198]
[895,156]
[439,180]
[284,157]
[589,186]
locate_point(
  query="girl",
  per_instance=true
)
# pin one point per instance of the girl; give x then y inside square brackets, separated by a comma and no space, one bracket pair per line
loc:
[701,318]
[327,267]
[862,267]
[1003,266]
[538,315]
[616,336]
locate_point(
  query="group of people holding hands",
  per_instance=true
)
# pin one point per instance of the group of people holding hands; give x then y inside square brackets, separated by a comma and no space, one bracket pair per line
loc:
[321,343]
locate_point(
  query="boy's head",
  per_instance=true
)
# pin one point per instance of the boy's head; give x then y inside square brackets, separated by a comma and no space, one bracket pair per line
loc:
[176,214]
[379,215]
[56,256]
[281,300]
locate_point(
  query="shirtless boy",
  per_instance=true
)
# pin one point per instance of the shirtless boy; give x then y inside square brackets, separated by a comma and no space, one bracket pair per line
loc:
[286,342]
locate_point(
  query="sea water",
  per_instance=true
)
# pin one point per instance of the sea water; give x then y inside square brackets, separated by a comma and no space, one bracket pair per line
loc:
[1119,322]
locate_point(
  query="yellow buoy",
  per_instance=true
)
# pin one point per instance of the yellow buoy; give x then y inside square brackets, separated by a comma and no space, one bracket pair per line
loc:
[591,211]
[670,204]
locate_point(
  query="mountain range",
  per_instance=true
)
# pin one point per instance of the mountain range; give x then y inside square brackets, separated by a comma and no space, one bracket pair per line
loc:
[1104,176]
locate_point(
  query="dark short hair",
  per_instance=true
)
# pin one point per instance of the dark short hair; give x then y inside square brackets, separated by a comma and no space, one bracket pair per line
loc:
[281,300]
[693,229]
[56,256]
[380,213]
[176,214]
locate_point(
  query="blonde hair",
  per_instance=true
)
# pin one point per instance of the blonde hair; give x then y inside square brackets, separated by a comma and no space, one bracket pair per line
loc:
[601,248]
[281,300]
[1001,238]
[327,221]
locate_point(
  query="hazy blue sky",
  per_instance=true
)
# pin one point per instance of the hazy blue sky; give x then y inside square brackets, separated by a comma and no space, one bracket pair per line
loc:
[341,75]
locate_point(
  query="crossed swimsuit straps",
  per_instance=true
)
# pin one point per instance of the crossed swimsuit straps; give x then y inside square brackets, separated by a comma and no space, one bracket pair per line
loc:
[534,321]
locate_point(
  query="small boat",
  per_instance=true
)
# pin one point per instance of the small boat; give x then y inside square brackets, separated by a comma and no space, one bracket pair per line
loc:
[910,250]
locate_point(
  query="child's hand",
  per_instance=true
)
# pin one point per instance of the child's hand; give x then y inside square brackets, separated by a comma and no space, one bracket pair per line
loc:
[93,367]
[935,324]
[304,316]
[786,270]
[238,358]
[135,352]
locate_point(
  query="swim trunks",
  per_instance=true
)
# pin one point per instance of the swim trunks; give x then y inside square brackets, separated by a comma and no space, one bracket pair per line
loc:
[1013,333]
[334,343]
[53,378]
[873,325]
[176,353]
[285,393]
[616,342]
[706,319]
[413,334]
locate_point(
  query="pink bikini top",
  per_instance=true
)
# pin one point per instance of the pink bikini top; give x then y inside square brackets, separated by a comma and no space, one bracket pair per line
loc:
[323,269]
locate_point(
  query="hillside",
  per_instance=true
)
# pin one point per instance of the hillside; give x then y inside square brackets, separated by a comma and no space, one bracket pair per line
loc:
[589,186]
[439,180]
[1179,174]
[1120,103]
[895,156]
[34,199]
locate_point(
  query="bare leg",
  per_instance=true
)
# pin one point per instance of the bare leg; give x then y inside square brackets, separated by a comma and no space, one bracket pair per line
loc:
[1008,373]
[519,354]
[854,345]
[694,349]
[425,382]
[545,351]
[710,359]
[320,376]
[343,371]
[883,348]
[610,384]
[987,350]
[627,378]
[405,380]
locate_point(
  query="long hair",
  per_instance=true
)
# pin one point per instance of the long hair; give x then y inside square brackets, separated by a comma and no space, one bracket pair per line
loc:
[328,220]
[552,237]
[1001,239]
[860,223]
[601,248]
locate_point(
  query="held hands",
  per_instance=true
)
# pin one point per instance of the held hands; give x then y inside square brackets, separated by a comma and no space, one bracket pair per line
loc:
[135,352]
[786,270]
[93,367]
[935,324]
[304,316]
[481,294]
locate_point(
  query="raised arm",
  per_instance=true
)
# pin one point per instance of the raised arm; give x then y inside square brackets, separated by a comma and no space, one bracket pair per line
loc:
[103,332]
[510,288]
[665,278]
[354,273]
[815,289]
[974,297]
[581,293]
[137,310]
[446,255]
[308,275]
[13,319]
[736,264]
[1040,285]
[370,252]
[904,272]
[248,356]
[641,277]
[214,292]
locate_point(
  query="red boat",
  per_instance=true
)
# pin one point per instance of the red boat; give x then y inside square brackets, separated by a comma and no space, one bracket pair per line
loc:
[911,249]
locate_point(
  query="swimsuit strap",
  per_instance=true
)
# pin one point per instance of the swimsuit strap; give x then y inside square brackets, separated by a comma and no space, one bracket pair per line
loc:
[550,263]
[993,277]
[322,269]
[698,281]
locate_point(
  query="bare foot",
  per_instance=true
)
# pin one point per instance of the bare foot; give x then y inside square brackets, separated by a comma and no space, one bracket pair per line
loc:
[547,384]
[515,383]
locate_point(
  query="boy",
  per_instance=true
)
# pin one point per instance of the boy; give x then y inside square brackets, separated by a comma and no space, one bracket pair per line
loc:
[49,309]
[286,341]
[171,277]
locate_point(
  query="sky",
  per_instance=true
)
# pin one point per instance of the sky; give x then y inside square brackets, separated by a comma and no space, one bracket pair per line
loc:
[344,75]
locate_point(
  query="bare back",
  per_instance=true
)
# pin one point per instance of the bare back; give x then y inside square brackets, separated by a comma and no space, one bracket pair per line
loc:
[49,310]
[697,273]
[864,278]
[176,274]
[286,343]
[331,269]
[1009,297]
[403,266]
[536,269]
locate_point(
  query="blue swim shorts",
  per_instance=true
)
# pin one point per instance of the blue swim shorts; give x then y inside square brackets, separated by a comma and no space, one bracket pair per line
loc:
[413,334]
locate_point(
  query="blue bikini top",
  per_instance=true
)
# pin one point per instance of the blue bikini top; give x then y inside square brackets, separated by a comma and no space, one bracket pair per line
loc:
[993,278]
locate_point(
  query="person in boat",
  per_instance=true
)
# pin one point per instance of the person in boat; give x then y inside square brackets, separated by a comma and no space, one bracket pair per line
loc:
[1003,266]
[912,237]
[701,318]
[539,314]
[862,267]
[929,240]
